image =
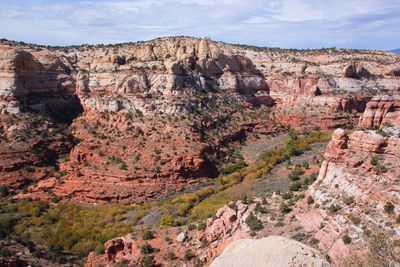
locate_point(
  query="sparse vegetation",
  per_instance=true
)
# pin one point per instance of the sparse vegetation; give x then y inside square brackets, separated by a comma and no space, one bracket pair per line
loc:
[146,249]
[189,255]
[346,239]
[147,234]
[389,207]
[254,223]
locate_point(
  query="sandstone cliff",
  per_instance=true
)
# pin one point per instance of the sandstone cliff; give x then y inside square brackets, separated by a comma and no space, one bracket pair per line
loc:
[150,118]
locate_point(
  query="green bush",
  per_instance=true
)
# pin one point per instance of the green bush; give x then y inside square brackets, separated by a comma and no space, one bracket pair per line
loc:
[189,255]
[284,208]
[167,220]
[295,186]
[334,208]
[4,191]
[233,167]
[147,234]
[389,207]
[374,160]
[147,261]
[146,249]
[346,239]
[260,209]
[5,252]
[287,195]
[169,256]
[201,226]
[296,173]
[71,227]
[348,200]
[254,223]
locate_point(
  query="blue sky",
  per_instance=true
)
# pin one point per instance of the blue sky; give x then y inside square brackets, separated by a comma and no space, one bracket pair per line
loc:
[371,24]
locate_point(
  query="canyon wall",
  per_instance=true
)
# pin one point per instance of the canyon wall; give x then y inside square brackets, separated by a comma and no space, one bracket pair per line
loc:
[133,122]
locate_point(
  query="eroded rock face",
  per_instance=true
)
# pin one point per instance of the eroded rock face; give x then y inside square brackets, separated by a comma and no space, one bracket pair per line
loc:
[272,251]
[357,179]
[356,70]
[307,101]
[227,221]
[380,111]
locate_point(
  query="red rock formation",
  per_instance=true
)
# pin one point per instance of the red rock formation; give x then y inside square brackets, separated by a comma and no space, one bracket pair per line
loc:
[356,70]
[148,116]
[308,101]
[381,110]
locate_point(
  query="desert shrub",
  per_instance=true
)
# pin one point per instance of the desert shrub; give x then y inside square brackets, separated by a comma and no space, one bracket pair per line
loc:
[189,255]
[355,219]
[128,116]
[147,261]
[334,208]
[260,209]
[295,186]
[4,191]
[287,195]
[348,200]
[122,263]
[6,225]
[167,220]
[184,208]
[123,166]
[191,227]
[284,208]
[296,173]
[147,234]
[254,223]
[388,124]
[346,239]
[306,165]
[389,207]
[374,160]
[382,132]
[310,200]
[233,167]
[380,169]
[71,227]
[201,226]
[169,256]
[146,249]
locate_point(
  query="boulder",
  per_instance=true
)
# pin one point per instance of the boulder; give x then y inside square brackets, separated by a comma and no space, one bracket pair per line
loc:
[272,251]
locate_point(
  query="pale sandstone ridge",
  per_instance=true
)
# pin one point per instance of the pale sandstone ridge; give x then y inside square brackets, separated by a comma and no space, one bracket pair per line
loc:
[272,251]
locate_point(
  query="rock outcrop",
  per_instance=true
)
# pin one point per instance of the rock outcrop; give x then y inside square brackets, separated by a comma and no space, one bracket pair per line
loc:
[381,111]
[356,70]
[357,181]
[272,251]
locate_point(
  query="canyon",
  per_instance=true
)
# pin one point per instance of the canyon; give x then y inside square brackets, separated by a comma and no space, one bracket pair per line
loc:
[141,123]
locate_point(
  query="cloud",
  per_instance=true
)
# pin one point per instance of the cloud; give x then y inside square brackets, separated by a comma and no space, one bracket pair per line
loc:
[284,23]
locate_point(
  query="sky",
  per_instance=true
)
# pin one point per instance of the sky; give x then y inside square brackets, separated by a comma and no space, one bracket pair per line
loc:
[369,24]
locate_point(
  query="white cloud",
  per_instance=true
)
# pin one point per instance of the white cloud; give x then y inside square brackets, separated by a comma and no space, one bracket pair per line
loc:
[286,23]
[256,20]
